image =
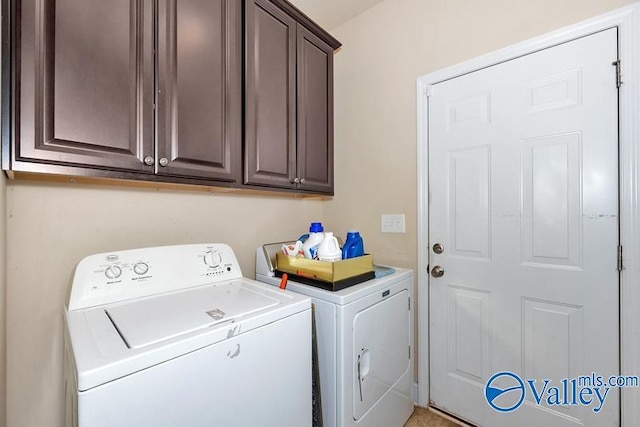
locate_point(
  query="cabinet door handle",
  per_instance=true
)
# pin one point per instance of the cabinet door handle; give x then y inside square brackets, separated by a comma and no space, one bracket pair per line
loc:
[164,162]
[302,181]
[149,161]
[295,180]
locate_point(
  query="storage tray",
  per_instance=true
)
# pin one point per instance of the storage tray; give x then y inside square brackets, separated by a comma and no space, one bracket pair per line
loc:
[327,275]
[329,286]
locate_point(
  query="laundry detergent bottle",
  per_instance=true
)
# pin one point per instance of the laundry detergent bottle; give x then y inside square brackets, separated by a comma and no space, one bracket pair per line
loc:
[353,246]
[329,249]
[316,235]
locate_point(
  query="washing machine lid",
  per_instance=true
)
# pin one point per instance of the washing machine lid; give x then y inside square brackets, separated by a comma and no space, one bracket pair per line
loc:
[116,340]
[150,321]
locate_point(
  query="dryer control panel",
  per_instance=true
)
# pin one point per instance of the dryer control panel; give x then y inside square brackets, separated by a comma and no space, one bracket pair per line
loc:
[119,276]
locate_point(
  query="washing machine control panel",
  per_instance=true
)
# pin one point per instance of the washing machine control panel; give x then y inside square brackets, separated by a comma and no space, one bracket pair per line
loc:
[120,276]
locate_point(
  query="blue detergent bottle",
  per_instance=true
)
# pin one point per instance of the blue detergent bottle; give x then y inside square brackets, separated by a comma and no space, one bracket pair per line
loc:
[316,235]
[353,246]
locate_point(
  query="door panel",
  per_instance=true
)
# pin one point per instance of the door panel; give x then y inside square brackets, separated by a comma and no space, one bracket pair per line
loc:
[550,332]
[523,186]
[199,88]
[469,333]
[270,85]
[551,203]
[85,100]
[315,112]
[469,201]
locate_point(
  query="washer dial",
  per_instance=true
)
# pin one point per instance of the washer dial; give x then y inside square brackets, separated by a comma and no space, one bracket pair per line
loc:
[140,268]
[113,272]
[212,258]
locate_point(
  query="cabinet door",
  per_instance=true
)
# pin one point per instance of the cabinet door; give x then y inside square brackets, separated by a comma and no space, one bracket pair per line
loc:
[84,83]
[199,88]
[315,113]
[270,110]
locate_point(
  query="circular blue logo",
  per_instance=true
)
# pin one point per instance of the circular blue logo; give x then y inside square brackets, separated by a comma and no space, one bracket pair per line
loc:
[504,391]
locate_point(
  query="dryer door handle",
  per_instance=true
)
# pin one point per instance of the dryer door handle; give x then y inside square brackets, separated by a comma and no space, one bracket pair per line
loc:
[360,376]
[364,364]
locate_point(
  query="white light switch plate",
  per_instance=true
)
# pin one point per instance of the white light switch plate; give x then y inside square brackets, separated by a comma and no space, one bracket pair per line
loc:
[392,223]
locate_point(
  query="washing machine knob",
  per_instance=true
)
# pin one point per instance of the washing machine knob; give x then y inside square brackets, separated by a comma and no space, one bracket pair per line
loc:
[140,268]
[212,259]
[113,272]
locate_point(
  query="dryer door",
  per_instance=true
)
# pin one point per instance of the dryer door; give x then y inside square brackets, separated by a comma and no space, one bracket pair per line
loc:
[381,350]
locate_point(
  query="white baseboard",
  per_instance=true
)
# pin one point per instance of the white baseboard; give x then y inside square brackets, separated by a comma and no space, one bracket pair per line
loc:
[414,393]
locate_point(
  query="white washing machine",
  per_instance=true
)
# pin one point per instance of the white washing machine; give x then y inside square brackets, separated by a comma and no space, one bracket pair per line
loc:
[365,342]
[175,336]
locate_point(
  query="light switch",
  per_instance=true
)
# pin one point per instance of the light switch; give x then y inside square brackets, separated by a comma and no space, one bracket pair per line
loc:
[392,223]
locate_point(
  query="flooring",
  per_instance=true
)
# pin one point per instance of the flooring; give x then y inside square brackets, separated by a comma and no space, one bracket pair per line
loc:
[425,418]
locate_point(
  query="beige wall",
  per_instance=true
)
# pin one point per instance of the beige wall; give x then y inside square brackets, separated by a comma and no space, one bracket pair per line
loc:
[50,227]
[385,49]
[3,287]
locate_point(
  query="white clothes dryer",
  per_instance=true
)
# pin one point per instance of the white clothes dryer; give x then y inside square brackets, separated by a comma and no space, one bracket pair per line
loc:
[175,336]
[365,341]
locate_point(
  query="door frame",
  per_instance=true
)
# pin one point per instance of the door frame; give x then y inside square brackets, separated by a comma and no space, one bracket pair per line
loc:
[627,20]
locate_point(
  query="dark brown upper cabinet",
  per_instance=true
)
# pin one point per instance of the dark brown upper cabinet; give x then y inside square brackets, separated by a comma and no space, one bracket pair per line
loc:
[270,110]
[200,88]
[153,90]
[289,99]
[315,112]
[83,85]
[84,96]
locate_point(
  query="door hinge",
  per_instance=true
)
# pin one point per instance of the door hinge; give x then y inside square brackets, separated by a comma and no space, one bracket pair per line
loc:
[620,265]
[409,352]
[618,73]
[428,91]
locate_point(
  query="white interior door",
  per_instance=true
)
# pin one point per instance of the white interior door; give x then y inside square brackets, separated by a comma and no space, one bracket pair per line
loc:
[523,197]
